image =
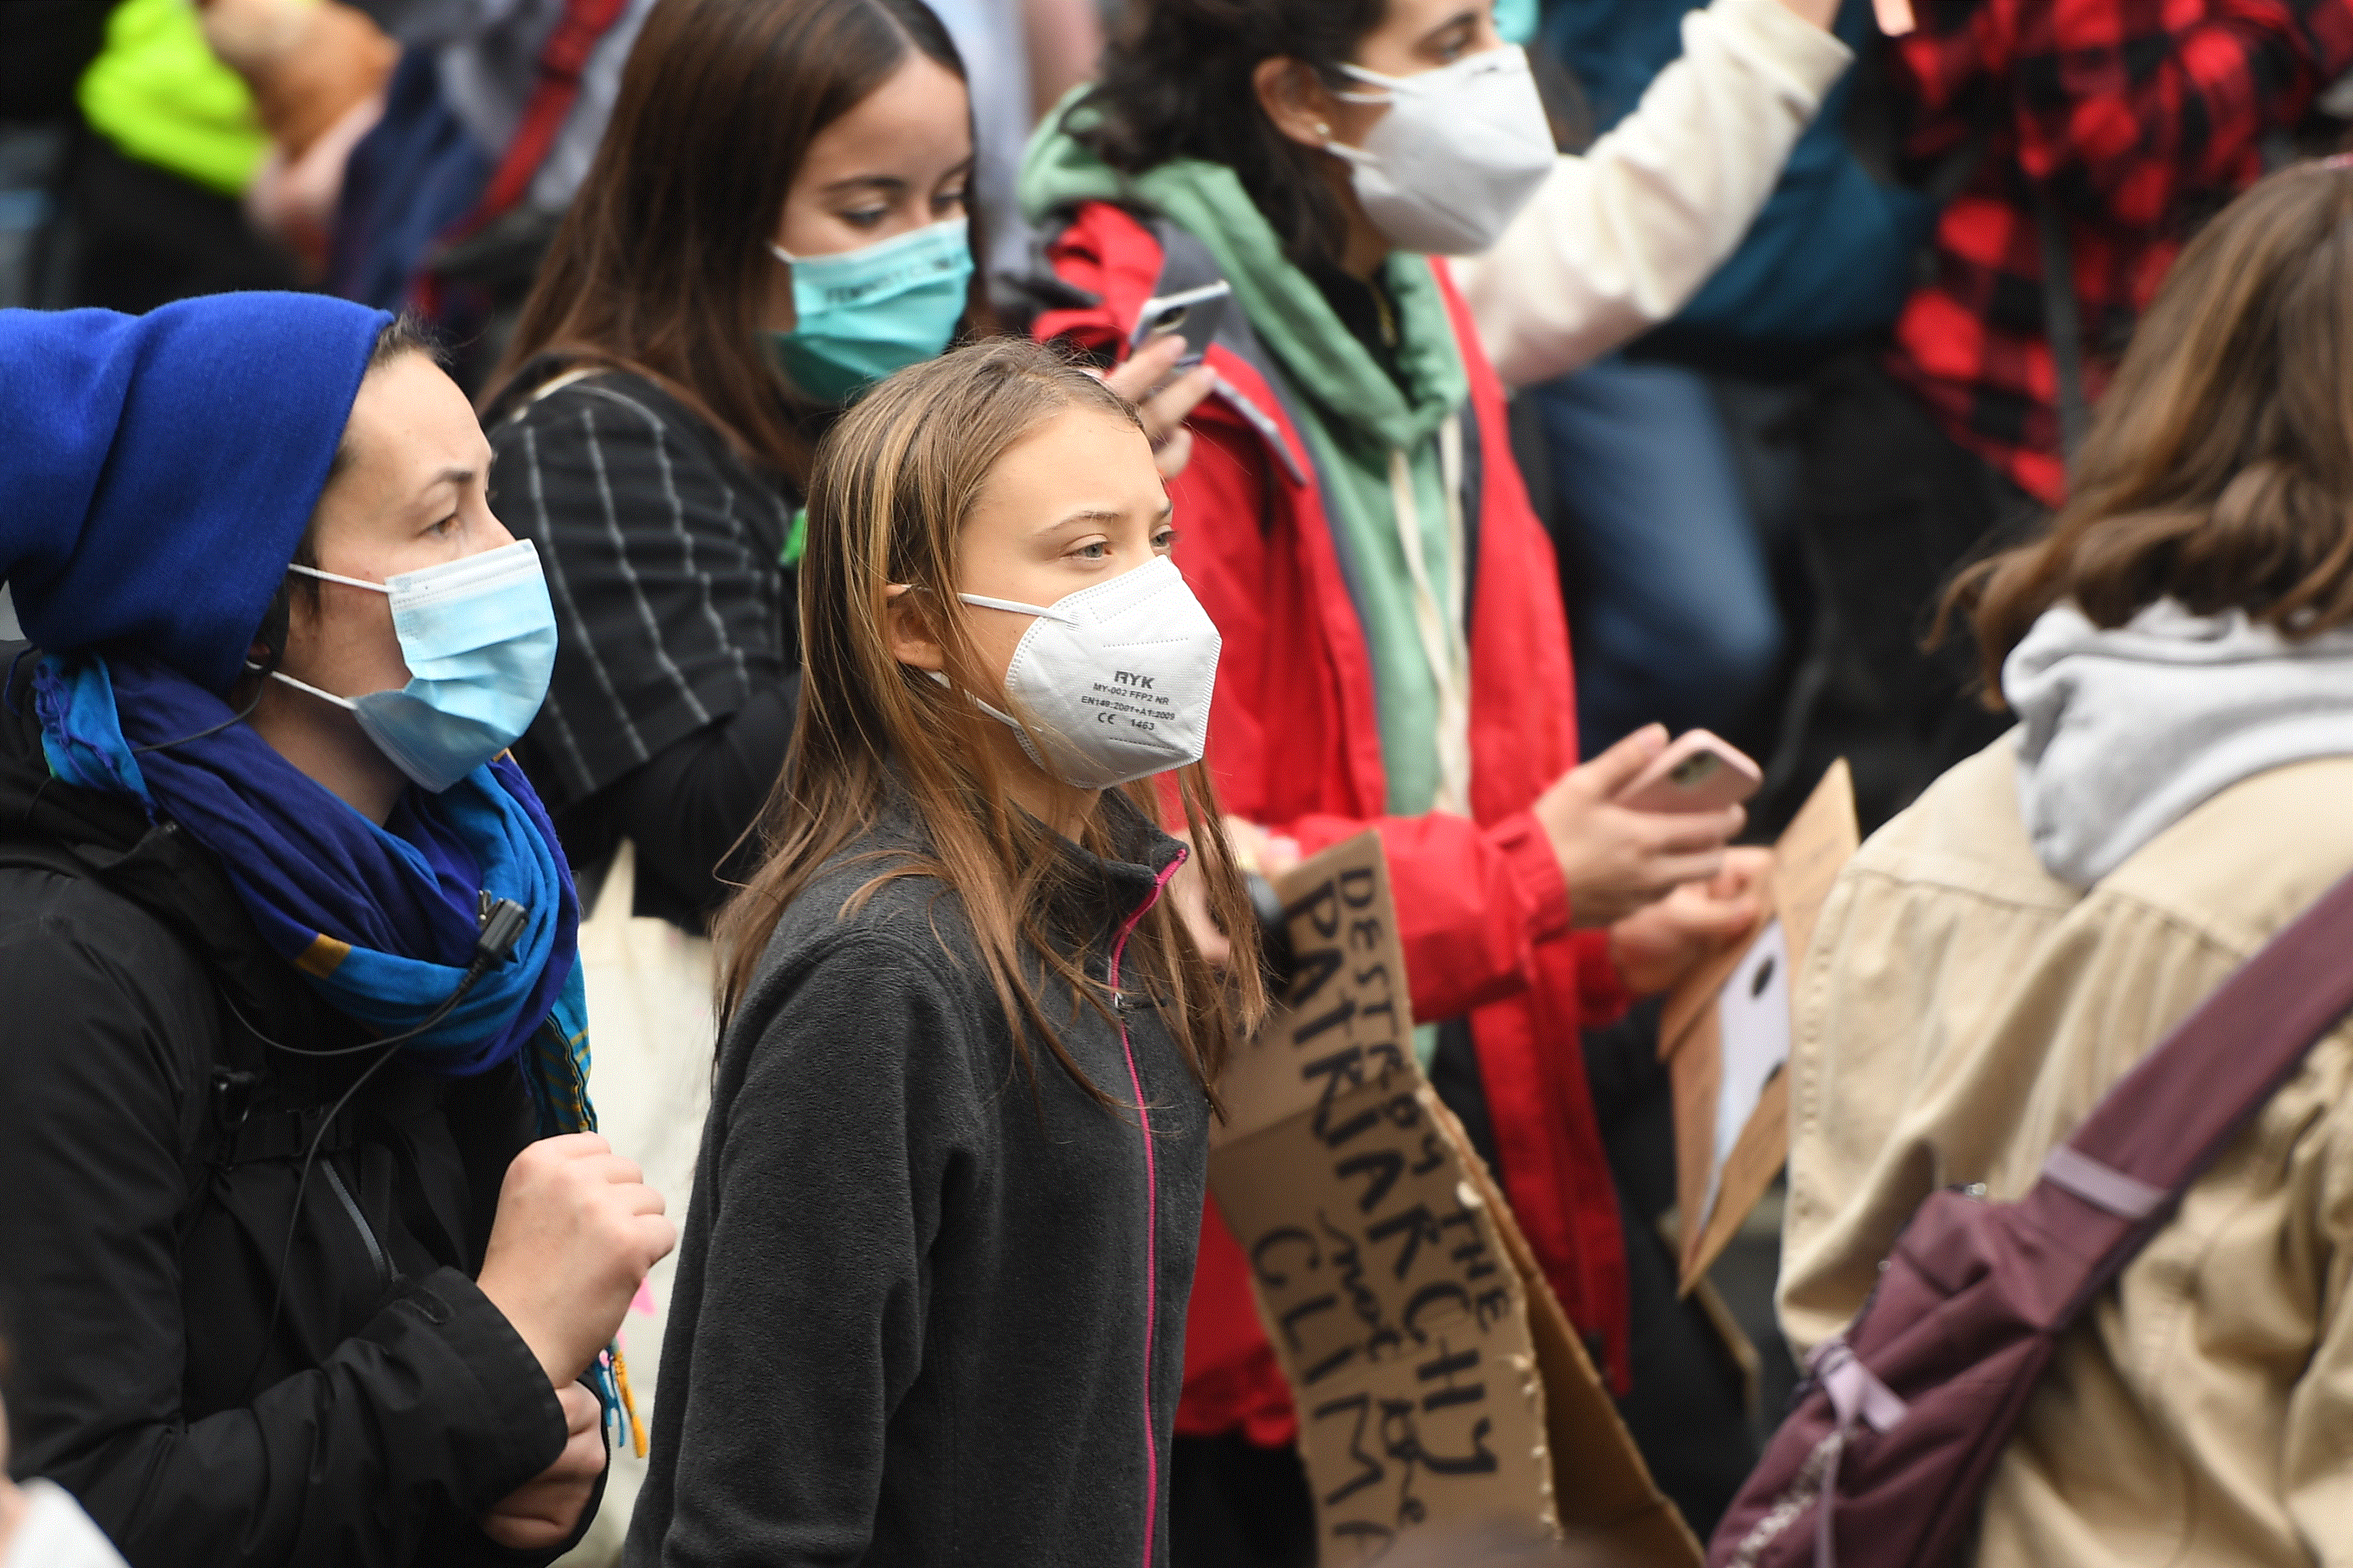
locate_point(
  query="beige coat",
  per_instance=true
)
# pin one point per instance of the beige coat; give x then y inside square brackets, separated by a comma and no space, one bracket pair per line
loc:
[1961,1011]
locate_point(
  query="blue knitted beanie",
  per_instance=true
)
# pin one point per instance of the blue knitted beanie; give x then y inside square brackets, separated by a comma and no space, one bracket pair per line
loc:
[156,471]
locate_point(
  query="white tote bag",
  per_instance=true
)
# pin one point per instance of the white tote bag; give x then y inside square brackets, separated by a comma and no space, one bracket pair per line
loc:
[650,1035]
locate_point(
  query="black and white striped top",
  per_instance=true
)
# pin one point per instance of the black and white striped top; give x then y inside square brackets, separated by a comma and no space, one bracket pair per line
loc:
[662,553]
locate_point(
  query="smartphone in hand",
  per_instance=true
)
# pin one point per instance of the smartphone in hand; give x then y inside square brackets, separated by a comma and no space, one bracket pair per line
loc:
[1696,773]
[1193,315]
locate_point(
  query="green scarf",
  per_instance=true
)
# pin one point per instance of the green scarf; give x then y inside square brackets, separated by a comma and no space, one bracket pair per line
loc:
[1356,420]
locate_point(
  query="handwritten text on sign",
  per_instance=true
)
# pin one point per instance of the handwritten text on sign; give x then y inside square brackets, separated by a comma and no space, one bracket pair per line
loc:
[1401,1327]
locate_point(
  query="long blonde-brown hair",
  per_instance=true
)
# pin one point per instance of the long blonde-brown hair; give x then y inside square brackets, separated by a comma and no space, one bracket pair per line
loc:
[893,483]
[2219,468]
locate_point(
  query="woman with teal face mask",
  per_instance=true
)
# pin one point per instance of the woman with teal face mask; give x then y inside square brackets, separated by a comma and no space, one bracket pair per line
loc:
[775,220]
[673,372]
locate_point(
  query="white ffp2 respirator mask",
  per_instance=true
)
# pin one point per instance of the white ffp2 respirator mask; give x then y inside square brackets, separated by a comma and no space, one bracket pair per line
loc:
[1457,157]
[1115,680]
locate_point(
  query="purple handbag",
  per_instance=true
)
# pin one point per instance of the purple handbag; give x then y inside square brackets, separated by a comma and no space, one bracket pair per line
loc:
[1892,1438]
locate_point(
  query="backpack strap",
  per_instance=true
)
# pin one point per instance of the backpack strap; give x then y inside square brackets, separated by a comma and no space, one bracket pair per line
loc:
[561,61]
[2063,320]
[578,31]
[42,854]
[2165,1123]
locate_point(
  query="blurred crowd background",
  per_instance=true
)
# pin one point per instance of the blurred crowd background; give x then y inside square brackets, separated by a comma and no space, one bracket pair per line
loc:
[1754,505]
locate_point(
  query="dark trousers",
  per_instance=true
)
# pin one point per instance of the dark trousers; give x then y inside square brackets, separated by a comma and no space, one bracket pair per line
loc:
[1892,507]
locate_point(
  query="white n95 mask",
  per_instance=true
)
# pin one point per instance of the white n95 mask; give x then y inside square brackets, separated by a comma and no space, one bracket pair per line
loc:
[1457,157]
[1114,678]
[479,637]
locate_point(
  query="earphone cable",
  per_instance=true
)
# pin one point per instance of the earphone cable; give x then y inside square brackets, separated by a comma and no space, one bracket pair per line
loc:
[265,669]
[502,923]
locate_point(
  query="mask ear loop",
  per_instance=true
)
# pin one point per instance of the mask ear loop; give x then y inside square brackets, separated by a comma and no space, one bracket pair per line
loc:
[1376,100]
[272,636]
[1385,88]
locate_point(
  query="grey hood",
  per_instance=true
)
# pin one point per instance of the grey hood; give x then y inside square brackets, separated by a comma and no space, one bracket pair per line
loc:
[2123,732]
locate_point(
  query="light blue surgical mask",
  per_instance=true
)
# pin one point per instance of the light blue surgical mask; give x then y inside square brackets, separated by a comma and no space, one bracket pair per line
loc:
[860,314]
[479,637]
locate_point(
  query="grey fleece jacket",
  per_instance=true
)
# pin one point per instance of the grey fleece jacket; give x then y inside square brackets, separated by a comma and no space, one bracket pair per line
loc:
[914,1324]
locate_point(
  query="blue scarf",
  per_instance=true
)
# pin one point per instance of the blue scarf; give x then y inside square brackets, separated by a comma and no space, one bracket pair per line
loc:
[380,920]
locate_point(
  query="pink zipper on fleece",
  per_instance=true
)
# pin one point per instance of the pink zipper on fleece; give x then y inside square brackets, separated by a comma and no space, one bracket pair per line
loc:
[1151,1208]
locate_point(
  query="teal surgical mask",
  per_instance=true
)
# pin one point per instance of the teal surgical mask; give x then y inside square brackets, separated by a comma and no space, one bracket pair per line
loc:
[1516,20]
[862,314]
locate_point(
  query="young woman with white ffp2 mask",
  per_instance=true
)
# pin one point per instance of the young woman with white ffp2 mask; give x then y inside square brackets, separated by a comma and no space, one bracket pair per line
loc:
[945,1208]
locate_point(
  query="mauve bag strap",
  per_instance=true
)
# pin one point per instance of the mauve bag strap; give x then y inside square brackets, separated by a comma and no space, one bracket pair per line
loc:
[2169,1119]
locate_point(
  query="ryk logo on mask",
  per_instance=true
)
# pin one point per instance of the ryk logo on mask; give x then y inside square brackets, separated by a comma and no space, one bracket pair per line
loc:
[1115,678]
[1457,157]
[858,315]
[479,637]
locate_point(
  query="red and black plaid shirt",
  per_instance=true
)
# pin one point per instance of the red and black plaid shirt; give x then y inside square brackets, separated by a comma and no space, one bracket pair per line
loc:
[2134,115]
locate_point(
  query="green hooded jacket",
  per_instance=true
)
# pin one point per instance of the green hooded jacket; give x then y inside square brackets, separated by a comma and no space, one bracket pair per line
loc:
[1387,449]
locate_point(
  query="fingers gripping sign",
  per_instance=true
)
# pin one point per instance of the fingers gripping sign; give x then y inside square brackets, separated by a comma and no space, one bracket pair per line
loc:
[1656,946]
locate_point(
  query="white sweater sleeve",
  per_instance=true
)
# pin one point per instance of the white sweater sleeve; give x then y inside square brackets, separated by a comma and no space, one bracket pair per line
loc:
[1616,240]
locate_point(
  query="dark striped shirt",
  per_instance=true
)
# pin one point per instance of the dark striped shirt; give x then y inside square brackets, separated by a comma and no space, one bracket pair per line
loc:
[662,550]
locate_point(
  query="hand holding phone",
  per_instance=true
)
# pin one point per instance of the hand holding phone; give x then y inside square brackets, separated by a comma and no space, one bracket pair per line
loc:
[1617,859]
[1194,315]
[1696,773]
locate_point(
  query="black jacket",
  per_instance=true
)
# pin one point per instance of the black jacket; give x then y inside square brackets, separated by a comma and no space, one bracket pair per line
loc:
[151,1149]
[921,1317]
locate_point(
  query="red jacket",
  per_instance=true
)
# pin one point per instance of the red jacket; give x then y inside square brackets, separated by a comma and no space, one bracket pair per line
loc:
[1294,745]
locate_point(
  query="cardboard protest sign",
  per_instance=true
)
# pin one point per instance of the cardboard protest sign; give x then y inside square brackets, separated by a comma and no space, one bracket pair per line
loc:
[1436,1380]
[1725,1035]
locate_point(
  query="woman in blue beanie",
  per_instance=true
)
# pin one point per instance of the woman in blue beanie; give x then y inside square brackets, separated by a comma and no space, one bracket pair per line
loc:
[310,1253]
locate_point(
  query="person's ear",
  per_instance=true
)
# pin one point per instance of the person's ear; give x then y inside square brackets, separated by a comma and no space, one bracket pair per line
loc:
[272,638]
[1291,94]
[913,642]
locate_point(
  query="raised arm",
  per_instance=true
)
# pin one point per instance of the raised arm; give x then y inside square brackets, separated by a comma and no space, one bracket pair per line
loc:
[1619,239]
